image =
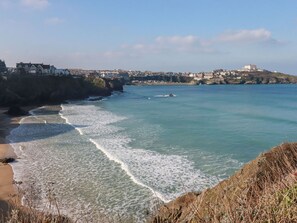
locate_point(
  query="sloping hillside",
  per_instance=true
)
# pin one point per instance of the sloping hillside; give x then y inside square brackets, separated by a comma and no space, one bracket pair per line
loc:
[256,77]
[264,190]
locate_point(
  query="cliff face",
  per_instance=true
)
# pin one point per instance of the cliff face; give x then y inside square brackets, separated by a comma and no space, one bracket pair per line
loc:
[264,190]
[34,90]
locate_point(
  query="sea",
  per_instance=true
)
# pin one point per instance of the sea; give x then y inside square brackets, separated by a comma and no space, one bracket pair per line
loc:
[120,158]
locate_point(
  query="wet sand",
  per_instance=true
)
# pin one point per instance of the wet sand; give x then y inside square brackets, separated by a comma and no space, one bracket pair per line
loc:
[7,188]
[7,123]
[9,196]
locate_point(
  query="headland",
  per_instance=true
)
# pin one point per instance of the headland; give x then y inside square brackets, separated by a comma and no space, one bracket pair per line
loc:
[18,95]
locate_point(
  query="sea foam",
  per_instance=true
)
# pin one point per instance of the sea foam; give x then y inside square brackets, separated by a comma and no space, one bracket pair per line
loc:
[166,176]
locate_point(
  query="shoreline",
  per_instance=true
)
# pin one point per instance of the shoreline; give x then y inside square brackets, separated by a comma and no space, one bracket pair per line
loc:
[8,190]
[11,196]
[7,124]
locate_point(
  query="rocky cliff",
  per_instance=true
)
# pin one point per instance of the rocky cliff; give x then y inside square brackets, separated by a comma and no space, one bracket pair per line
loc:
[35,90]
[264,190]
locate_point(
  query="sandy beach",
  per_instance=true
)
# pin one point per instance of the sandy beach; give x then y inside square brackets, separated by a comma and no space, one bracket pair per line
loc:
[10,198]
[7,188]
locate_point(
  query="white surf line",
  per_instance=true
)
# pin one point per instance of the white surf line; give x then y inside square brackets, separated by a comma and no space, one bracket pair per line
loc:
[32,113]
[21,147]
[126,169]
[66,120]
[123,165]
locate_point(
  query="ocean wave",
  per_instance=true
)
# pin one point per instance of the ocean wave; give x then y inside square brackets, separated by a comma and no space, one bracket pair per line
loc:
[166,176]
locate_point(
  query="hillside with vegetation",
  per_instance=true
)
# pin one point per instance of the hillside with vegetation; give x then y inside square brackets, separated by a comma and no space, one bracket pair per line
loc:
[212,78]
[35,90]
[264,190]
[256,77]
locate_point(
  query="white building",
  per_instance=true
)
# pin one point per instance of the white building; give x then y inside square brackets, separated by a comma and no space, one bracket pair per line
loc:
[208,75]
[35,68]
[250,67]
[62,72]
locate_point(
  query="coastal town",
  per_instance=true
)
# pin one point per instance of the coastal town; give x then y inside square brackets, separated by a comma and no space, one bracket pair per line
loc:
[47,69]
[148,111]
[38,84]
[32,68]
[248,74]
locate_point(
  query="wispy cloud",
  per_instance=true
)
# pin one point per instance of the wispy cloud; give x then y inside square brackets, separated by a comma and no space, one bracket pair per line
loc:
[177,40]
[112,54]
[53,21]
[194,44]
[35,4]
[169,44]
[245,36]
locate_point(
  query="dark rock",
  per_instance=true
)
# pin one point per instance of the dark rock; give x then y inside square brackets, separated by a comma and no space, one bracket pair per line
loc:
[7,160]
[38,90]
[16,111]
[56,96]
[115,85]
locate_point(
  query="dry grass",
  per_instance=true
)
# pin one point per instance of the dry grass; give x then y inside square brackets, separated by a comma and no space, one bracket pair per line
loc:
[276,205]
[17,213]
[30,212]
[264,190]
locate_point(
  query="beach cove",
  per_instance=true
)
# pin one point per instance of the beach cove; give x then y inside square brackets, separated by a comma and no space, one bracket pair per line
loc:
[6,151]
[129,153]
[8,189]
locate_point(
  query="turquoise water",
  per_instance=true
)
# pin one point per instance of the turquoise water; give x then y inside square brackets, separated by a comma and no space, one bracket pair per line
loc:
[238,122]
[126,154]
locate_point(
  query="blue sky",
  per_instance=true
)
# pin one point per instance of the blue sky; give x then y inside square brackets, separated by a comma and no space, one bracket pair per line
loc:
[157,35]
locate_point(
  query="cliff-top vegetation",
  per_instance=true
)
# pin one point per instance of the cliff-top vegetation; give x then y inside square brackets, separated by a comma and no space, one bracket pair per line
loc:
[264,190]
[36,90]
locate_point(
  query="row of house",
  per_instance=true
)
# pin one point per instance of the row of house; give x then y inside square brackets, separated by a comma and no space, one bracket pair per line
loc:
[40,69]
[202,75]
[46,69]
[114,74]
